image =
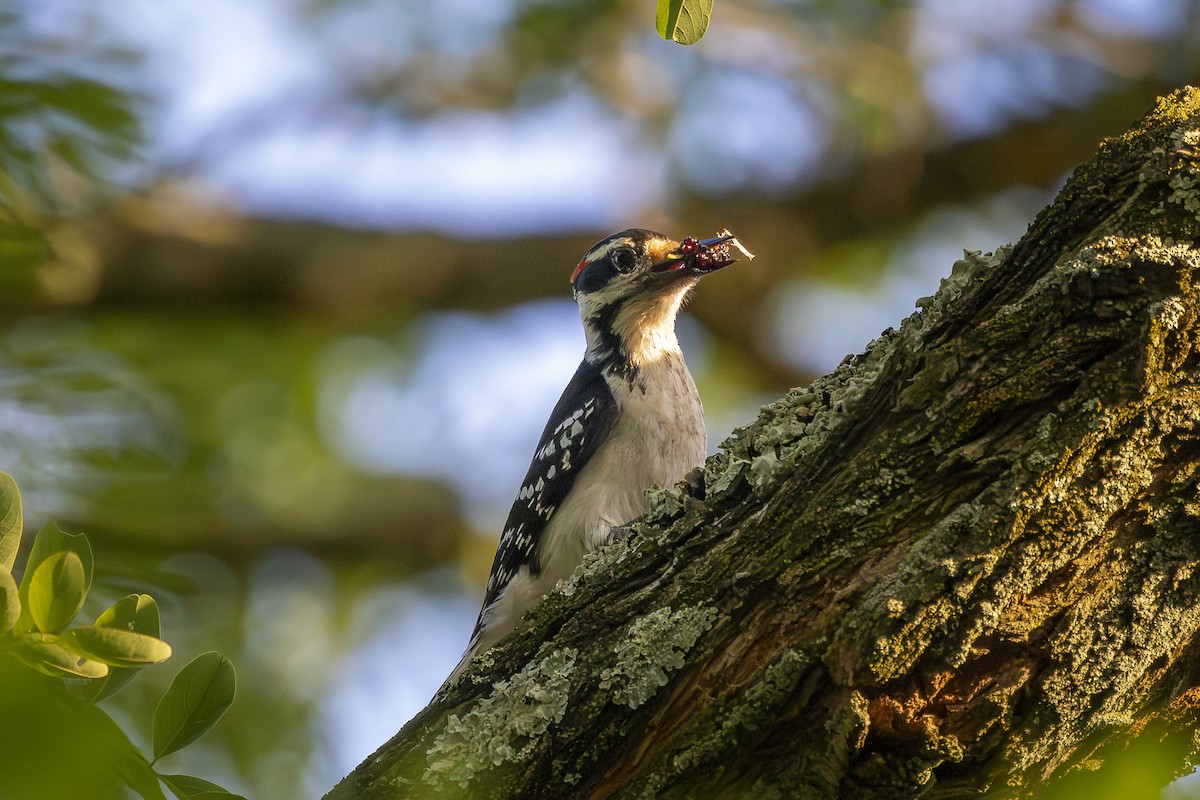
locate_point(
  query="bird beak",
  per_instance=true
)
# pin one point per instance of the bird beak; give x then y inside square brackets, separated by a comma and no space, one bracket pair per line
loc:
[702,256]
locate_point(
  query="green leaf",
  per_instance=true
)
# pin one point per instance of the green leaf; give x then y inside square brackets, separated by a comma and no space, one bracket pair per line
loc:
[116,647]
[185,787]
[46,655]
[56,748]
[11,521]
[50,540]
[10,601]
[143,781]
[135,612]
[683,21]
[56,591]
[197,698]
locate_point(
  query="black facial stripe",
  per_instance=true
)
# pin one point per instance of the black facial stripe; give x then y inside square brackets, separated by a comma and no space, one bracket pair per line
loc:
[595,276]
[613,356]
[604,325]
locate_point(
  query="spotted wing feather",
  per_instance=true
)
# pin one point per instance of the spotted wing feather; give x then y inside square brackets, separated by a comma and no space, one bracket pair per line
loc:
[582,419]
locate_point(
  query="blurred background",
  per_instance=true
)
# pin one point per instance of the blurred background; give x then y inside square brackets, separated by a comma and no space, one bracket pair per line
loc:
[284,282]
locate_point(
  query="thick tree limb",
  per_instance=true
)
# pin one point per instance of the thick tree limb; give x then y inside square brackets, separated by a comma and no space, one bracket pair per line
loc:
[963,563]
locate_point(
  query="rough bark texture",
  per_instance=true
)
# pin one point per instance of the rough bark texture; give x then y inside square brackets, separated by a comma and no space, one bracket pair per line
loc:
[965,562]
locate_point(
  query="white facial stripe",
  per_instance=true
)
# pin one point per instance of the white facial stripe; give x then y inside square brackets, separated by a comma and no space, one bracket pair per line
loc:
[601,250]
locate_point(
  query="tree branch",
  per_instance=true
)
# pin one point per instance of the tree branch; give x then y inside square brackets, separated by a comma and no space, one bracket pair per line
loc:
[964,562]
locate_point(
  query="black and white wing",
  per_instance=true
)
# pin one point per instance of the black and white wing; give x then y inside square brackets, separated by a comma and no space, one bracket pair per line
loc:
[582,419]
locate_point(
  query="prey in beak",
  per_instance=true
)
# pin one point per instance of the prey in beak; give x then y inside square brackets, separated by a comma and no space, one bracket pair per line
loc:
[702,256]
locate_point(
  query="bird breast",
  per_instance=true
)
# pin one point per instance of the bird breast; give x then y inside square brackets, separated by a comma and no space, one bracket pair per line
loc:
[658,438]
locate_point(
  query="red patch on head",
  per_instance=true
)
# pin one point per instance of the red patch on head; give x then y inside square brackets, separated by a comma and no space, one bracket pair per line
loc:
[582,265]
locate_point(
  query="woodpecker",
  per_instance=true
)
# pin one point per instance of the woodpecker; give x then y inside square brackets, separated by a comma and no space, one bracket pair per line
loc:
[628,420]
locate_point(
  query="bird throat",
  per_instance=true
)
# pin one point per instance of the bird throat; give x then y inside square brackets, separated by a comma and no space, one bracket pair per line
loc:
[640,331]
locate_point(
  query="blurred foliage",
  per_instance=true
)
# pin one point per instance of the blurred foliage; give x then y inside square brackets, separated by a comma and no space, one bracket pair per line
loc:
[203,432]
[64,746]
[1138,771]
[871,75]
[62,133]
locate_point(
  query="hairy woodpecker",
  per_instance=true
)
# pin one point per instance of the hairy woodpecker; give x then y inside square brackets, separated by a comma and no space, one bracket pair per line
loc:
[629,419]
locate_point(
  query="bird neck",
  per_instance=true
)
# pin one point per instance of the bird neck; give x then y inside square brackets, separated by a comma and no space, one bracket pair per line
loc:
[634,334]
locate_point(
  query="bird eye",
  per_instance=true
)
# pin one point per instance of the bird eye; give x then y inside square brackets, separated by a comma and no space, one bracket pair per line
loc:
[623,259]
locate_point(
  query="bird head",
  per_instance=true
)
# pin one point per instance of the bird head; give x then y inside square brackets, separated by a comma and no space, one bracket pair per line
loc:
[635,262]
[630,287]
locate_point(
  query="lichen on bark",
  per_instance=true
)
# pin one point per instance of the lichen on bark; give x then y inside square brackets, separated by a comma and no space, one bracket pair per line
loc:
[653,647]
[504,726]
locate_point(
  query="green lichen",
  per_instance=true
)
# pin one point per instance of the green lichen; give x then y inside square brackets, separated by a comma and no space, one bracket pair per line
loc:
[666,502]
[726,476]
[597,563]
[504,727]
[965,273]
[1185,188]
[653,647]
[762,470]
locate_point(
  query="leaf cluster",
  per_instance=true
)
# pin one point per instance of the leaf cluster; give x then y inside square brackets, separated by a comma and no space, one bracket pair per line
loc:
[83,664]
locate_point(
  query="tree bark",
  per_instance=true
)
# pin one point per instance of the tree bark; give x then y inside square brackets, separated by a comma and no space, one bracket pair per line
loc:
[962,564]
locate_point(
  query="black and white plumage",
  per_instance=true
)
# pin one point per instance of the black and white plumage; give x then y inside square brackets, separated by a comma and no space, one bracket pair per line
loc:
[581,420]
[629,419]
